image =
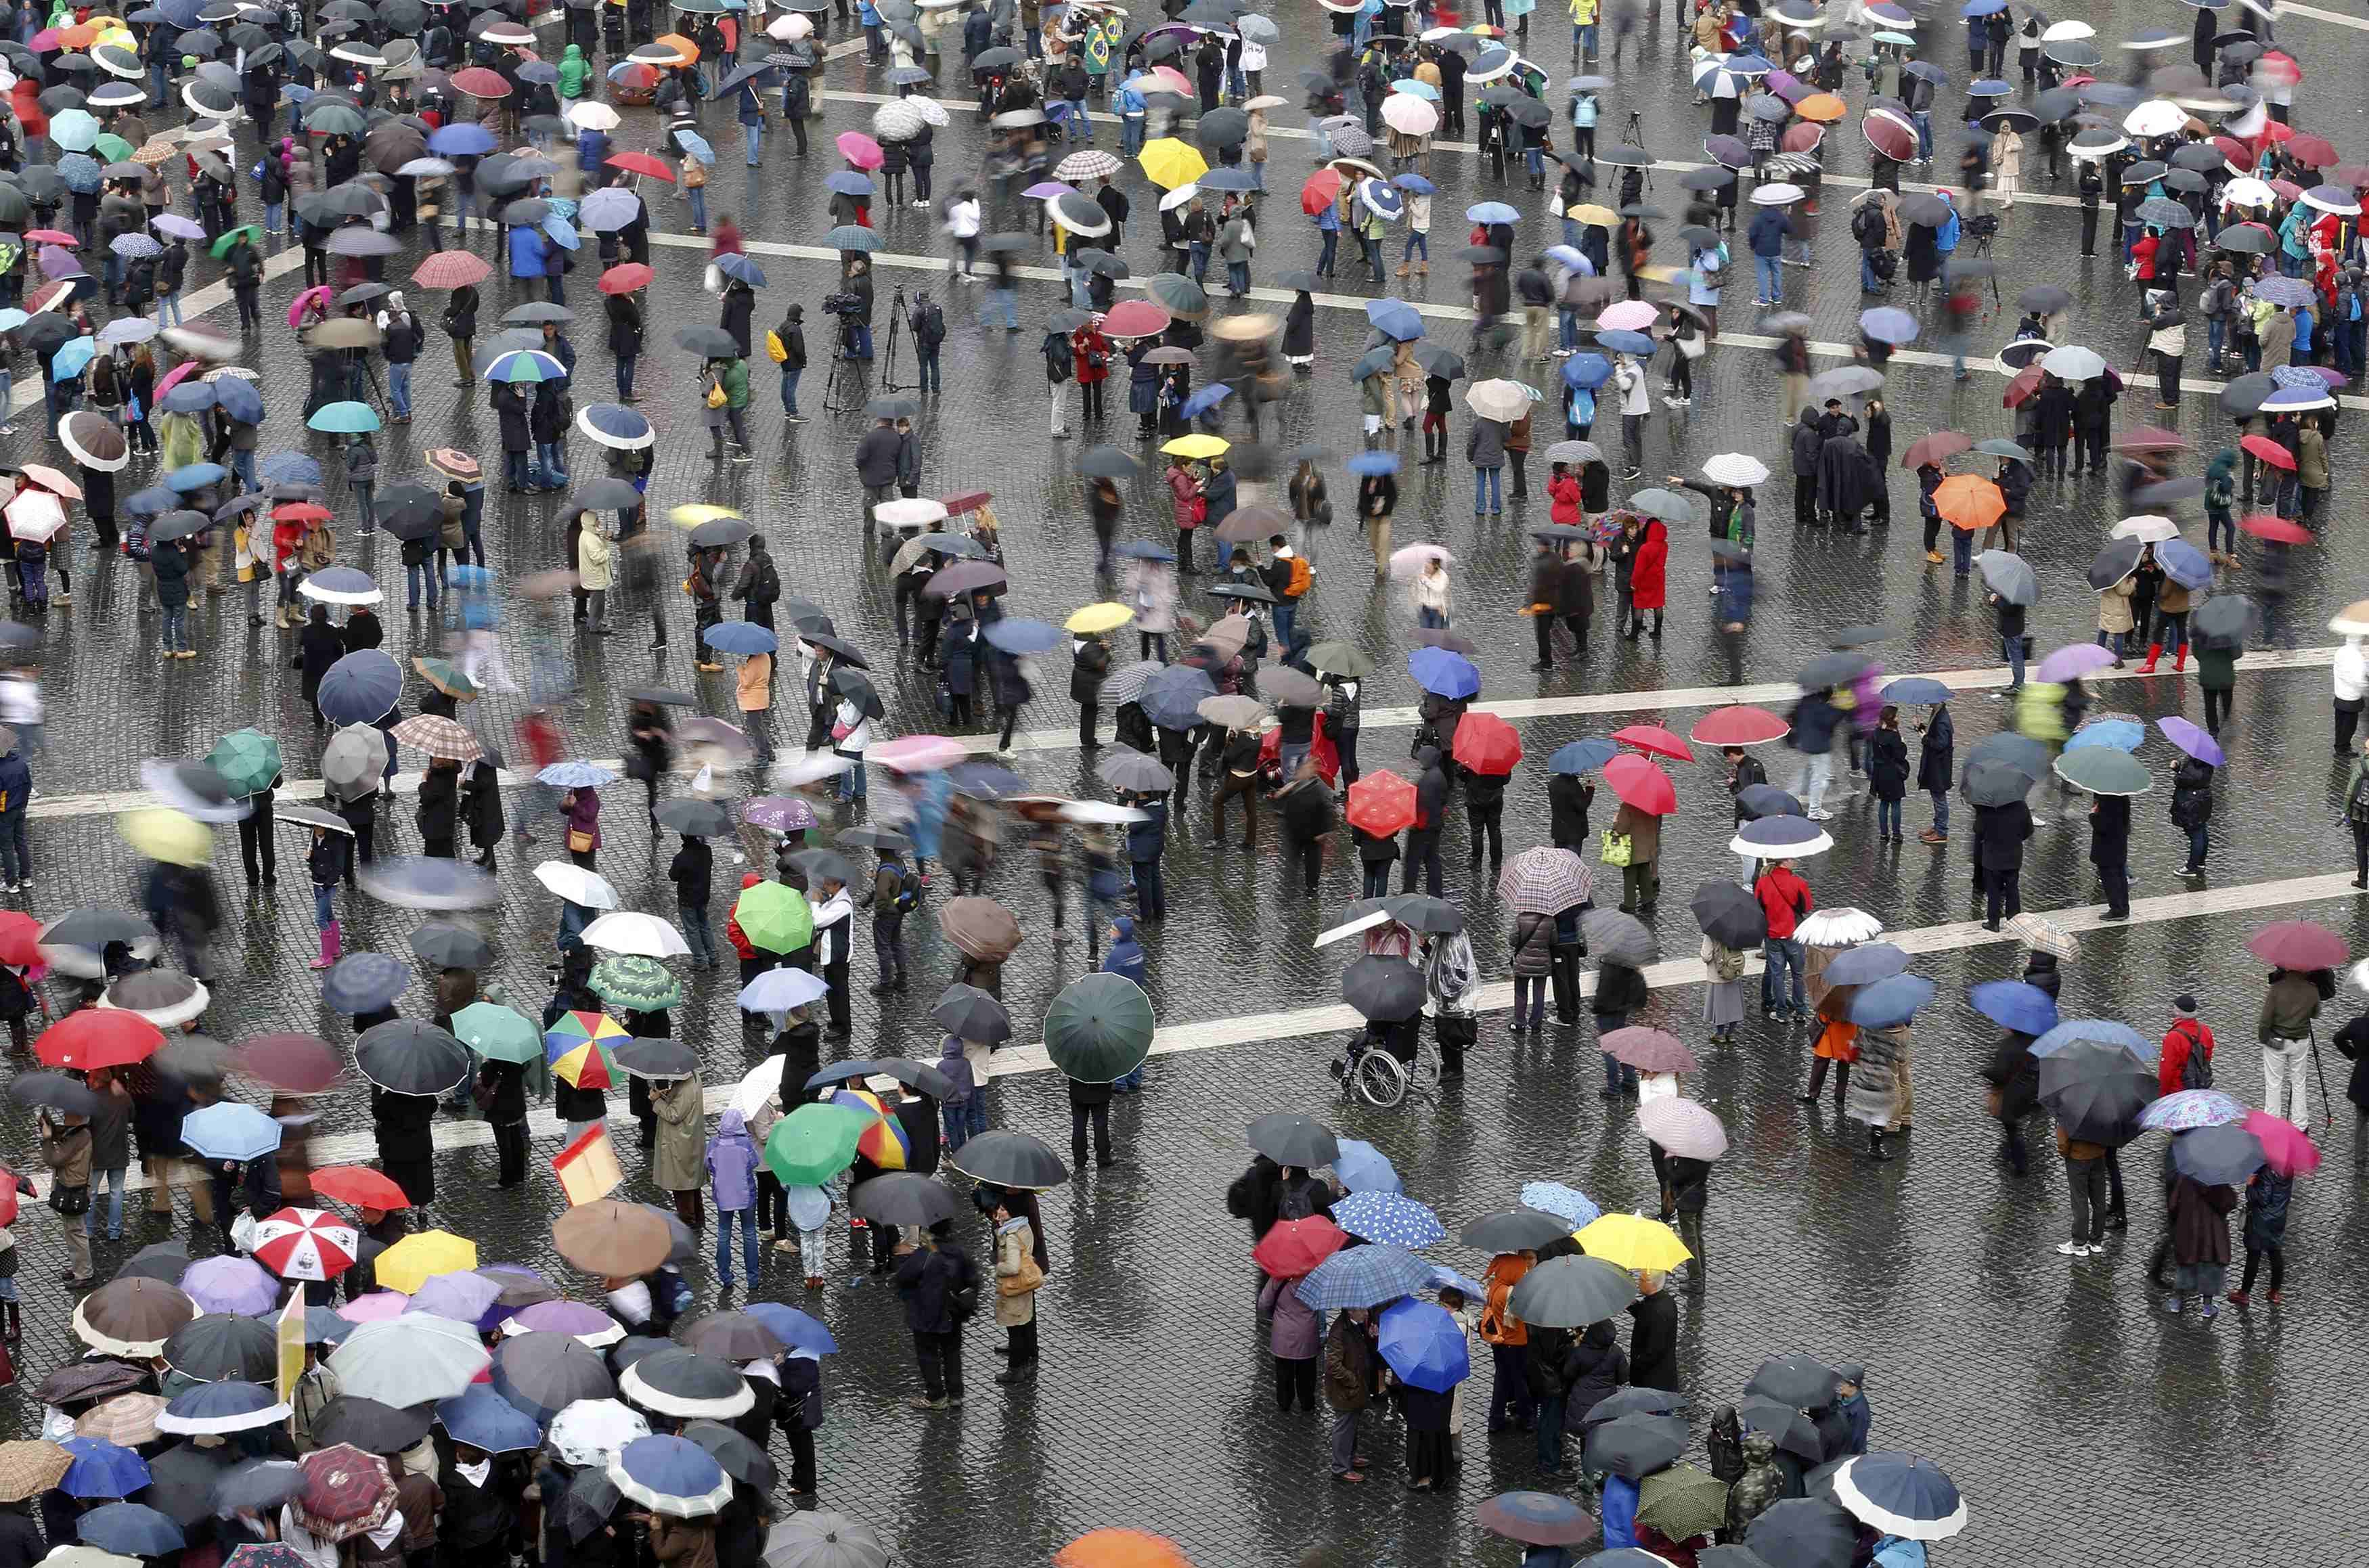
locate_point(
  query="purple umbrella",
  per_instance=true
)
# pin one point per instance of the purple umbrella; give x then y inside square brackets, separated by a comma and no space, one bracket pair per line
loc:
[2192,741]
[780,813]
[1045,189]
[240,1286]
[462,1297]
[2074,660]
[177,226]
[573,1319]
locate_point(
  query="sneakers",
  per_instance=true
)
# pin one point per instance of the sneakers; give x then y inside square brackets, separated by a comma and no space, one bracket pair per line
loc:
[1820,813]
[2073,1249]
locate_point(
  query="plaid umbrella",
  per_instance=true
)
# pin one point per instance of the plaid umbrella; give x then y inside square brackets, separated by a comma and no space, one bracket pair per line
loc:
[28,1468]
[1682,1501]
[127,1420]
[639,984]
[1364,1276]
[347,1492]
[2044,934]
[1543,880]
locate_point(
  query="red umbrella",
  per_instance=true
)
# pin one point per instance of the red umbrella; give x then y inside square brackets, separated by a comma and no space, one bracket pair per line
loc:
[97,1036]
[1935,447]
[2312,152]
[1135,318]
[480,83]
[2277,530]
[2020,390]
[1888,136]
[1640,783]
[1487,744]
[2298,944]
[2149,439]
[641,163]
[295,1064]
[53,237]
[1803,136]
[345,1492]
[1321,189]
[1382,802]
[452,269]
[626,277]
[1293,1247]
[860,150]
[1322,752]
[18,933]
[1739,726]
[359,1185]
[2269,451]
[1653,739]
[2286,1146]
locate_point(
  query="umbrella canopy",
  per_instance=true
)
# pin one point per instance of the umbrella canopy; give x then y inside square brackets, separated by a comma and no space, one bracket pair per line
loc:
[1730,914]
[2097,1091]
[1573,1292]
[1295,1140]
[1633,1243]
[1635,1445]
[1363,1276]
[1900,1495]
[1425,1346]
[1388,1217]
[1099,1028]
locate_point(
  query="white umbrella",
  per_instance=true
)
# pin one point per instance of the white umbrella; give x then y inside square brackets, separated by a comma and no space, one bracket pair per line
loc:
[1408,563]
[2073,363]
[909,511]
[577,885]
[591,1431]
[589,114]
[2248,192]
[630,931]
[35,514]
[1499,399]
[1737,468]
[2061,32]
[930,110]
[789,26]
[2157,117]
[1776,193]
[808,767]
[1178,197]
[2154,529]
[1837,928]
[1409,115]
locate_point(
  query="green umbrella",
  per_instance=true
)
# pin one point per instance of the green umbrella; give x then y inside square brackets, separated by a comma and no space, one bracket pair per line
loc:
[110,148]
[812,1144]
[774,917]
[1682,1501]
[1341,659]
[1099,1029]
[247,760]
[2101,770]
[221,247]
[636,983]
[498,1032]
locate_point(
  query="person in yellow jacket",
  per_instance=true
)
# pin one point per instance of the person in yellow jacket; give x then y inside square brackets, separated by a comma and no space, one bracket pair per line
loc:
[1584,16]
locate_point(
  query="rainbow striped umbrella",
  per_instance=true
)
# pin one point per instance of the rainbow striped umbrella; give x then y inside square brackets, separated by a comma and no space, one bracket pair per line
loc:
[883,1140]
[577,1049]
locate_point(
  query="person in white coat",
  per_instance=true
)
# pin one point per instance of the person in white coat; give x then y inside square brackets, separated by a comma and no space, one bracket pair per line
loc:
[851,737]
[834,929]
[1636,402]
[2006,167]
[2351,678]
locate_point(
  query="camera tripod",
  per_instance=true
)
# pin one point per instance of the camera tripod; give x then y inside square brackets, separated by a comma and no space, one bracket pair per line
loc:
[901,328]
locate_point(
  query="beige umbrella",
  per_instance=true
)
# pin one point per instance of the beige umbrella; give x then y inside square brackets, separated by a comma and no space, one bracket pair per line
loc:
[1501,400]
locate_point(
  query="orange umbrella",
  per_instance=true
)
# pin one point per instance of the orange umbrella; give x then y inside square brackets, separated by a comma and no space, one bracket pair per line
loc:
[1969,501]
[681,45]
[1823,108]
[1121,1549]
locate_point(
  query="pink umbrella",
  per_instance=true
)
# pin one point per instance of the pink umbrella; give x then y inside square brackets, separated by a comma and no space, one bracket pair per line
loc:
[176,376]
[919,753]
[2287,1147]
[315,298]
[376,1306]
[1627,315]
[860,150]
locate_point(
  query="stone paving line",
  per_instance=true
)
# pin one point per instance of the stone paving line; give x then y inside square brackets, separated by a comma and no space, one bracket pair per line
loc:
[107,802]
[1820,347]
[1495,996]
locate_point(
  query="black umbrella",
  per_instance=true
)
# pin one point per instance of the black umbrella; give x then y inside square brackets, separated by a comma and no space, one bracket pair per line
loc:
[741,1459]
[182,1478]
[544,1373]
[1830,669]
[1635,1445]
[1124,768]
[842,651]
[1730,915]
[2224,615]
[857,688]
[2097,1091]
[2118,560]
[218,1348]
[680,1381]
[694,818]
[1618,938]
[1800,1381]
[1804,1532]
[1573,1292]
[58,1091]
[970,1014]
[1011,1159]
[1515,1231]
[1995,783]
[904,1069]
[1632,1402]
[708,342]
[1295,1140]
[372,1428]
[1791,1430]
[901,1197]
[656,1058]
[406,1057]
[407,504]
[450,947]
[1383,989]
[1222,128]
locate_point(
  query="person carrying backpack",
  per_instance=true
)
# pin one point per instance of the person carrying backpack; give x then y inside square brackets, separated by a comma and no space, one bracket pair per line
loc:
[2187,1059]
[939,1285]
[2356,814]
[759,586]
[1288,577]
[896,889]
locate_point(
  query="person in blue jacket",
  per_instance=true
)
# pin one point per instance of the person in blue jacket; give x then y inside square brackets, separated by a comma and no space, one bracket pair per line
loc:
[1126,957]
[1146,840]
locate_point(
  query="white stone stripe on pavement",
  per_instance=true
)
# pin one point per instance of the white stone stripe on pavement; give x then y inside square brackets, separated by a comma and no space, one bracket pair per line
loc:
[2290,9]
[1262,1028]
[98,803]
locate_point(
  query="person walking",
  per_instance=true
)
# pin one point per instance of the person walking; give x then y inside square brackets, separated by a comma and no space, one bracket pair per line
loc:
[2192,810]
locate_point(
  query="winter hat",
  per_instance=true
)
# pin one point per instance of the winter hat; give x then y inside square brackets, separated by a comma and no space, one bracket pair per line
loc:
[2184,1005]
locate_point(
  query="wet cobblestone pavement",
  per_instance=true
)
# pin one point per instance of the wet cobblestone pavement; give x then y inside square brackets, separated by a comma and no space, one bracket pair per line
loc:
[2065,1405]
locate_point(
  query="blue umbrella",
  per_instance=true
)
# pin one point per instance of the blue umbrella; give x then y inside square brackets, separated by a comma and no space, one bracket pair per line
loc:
[1446,1278]
[189,397]
[1782,836]
[1491,212]
[2116,734]
[847,182]
[345,583]
[1564,1203]
[1364,1276]
[81,172]
[466,139]
[1413,184]
[1888,324]
[1626,342]
[1372,465]
[1891,1002]
[614,425]
[2216,1156]
[288,468]
[101,1468]
[576,775]
[73,358]
[2013,1004]
[1587,371]
[1364,1168]
[364,982]
[149,502]
[484,1419]
[1865,965]
[2184,563]
[2094,1032]
[1206,398]
[1582,756]
[1989,87]
[1429,94]
[230,1130]
[1142,550]
[215,1408]
[1900,1495]
[1423,1343]
[344,418]
[739,269]
[133,1529]
[1019,635]
[562,233]
[518,365]
[739,636]
[1915,690]
[673,1475]
[1172,698]
[194,476]
[1388,1217]
[792,1328]
[361,687]
[239,400]
[1443,672]
[1395,318]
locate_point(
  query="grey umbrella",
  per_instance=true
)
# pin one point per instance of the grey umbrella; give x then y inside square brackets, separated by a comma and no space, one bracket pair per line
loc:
[820,1538]
[1617,938]
[1795,1379]
[1295,1140]
[1127,769]
[2009,576]
[1996,783]
[1011,1159]
[1635,1445]
[1515,1231]
[900,1197]
[2097,1091]
[1804,1532]
[1383,989]
[1632,1402]
[1573,1292]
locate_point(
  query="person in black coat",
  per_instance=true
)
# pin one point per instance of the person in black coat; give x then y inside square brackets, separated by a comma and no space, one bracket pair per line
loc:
[2000,835]
[2109,848]
[518,435]
[1090,661]
[318,646]
[406,1149]
[625,313]
[579,1108]
[481,809]
[1568,799]
[1936,762]
[1594,1369]
[928,1280]
[438,816]
[501,1092]
[1090,1101]
[1653,1337]
[1423,838]
[740,302]
[2014,1079]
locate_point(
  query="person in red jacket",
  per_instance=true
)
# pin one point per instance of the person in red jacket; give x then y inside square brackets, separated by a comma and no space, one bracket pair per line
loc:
[1091,352]
[1645,578]
[2181,1066]
[1784,899]
[750,964]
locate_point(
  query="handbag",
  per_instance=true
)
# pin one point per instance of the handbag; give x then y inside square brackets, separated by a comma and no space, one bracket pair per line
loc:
[1614,848]
[579,842]
[70,1201]
[716,398]
[1320,514]
[1028,1279]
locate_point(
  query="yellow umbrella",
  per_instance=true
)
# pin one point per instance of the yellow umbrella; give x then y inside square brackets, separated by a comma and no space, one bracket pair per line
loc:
[692,516]
[1171,163]
[419,1257]
[162,833]
[1588,213]
[1104,617]
[1197,445]
[1627,1241]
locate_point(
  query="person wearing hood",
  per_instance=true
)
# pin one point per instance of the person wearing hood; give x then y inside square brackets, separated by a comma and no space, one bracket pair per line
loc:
[732,1172]
[1422,838]
[786,347]
[1125,956]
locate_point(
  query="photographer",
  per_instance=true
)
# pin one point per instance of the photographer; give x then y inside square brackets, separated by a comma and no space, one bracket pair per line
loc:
[852,305]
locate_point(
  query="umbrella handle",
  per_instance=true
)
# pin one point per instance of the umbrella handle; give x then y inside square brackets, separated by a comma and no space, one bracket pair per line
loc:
[2326,1106]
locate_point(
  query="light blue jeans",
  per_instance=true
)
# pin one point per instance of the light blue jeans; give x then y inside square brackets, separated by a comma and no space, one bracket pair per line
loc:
[724,1221]
[1488,489]
[1783,952]
[1768,274]
[398,389]
[113,1182]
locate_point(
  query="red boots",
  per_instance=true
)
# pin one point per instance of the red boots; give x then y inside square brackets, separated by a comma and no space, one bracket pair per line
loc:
[2154,651]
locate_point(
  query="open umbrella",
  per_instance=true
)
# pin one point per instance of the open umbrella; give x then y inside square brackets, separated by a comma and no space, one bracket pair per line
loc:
[1573,1292]
[1099,1028]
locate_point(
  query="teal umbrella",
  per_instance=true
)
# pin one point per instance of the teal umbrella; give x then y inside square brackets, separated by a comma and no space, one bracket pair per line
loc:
[344,418]
[2100,770]
[1099,1029]
[247,760]
[634,983]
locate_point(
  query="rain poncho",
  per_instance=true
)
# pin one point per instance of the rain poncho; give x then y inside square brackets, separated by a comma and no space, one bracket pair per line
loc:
[574,71]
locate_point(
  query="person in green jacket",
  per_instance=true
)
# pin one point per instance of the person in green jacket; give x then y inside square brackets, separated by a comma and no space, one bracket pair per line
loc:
[2216,676]
[732,377]
[574,72]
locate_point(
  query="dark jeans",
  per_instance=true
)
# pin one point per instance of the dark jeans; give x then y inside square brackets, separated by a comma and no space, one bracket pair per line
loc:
[1295,1377]
[1530,1000]
[509,1147]
[2254,1255]
[1150,894]
[802,1443]
[2086,1181]
[1510,1400]
[2216,709]
[1550,1419]
[2005,892]
[1100,1116]
[940,1358]
[1378,879]
[1423,855]
[2117,880]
